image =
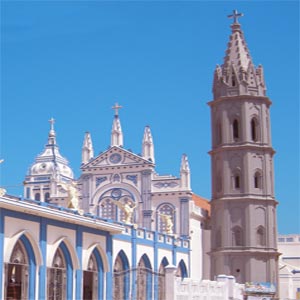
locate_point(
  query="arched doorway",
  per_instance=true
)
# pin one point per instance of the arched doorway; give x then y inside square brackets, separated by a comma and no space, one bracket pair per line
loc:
[144,279]
[93,278]
[20,271]
[121,279]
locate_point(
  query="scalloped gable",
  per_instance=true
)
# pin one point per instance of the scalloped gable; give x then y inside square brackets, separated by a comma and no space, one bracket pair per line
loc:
[116,156]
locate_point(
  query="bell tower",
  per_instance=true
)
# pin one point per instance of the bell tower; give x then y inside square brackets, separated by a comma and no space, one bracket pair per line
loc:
[244,229]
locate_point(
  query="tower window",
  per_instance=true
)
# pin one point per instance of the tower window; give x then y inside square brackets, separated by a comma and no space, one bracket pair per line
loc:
[257,180]
[235,129]
[232,81]
[237,183]
[237,236]
[254,133]
[261,236]
[37,197]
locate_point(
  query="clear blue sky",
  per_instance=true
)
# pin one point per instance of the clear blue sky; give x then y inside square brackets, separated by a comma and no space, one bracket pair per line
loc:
[74,60]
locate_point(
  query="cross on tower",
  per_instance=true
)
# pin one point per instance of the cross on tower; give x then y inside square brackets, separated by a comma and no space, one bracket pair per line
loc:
[52,121]
[235,15]
[116,107]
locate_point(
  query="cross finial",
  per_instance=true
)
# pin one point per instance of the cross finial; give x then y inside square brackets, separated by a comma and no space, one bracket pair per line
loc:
[116,107]
[52,121]
[235,15]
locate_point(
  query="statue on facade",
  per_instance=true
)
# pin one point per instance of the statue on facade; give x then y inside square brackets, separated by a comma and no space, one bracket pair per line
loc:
[73,197]
[2,191]
[126,208]
[167,219]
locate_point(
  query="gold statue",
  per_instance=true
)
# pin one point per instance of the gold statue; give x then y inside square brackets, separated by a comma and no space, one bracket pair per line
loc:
[126,208]
[168,223]
[2,191]
[73,198]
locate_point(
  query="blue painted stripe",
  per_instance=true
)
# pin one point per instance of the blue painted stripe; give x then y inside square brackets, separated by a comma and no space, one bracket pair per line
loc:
[100,274]
[109,274]
[133,262]
[69,263]
[43,267]
[32,266]
[78,291]
[156,278]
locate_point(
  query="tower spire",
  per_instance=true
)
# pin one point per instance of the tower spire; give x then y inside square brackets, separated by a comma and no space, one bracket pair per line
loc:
[238,75]
[148,146]
[185,174]
[116,132]
[87,148]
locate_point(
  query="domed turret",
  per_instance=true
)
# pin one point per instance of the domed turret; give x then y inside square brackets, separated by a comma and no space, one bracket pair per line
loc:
[48,168]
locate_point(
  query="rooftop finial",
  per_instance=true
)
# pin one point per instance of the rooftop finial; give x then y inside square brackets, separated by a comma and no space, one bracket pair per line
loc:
[116,108]
[235,15]
[52,121]
[51,137]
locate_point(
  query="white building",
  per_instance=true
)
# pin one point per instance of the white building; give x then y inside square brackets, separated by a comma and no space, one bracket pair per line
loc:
[289,266]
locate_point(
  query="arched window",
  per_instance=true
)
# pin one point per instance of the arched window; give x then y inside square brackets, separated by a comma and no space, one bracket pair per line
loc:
[57,277]
[121,277]
[261,236]
[117,204]
[37,197]
[235,130]
[60,275]
[237,181]
[47,197]
[107,209]
[17,273]
[166,218]
[257,180]
[233,81]
[181,270]
[144,279]
[237,236]
[254,130]
[161,279]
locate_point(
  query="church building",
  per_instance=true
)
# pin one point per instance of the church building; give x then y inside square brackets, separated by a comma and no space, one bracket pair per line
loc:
[118,230]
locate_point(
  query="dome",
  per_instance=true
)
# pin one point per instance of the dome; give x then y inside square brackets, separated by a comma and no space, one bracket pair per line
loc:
[50,162]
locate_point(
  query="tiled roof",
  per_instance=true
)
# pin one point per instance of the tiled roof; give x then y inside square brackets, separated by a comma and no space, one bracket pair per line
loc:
[201,202]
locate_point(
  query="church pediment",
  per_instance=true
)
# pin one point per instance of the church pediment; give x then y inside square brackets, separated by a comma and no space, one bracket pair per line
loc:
[116,156]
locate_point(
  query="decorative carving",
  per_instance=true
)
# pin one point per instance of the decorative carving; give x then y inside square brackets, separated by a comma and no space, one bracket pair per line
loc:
[132,178]
[115,158]
[117,178]
[116,193]
[165,184]
[99,180]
